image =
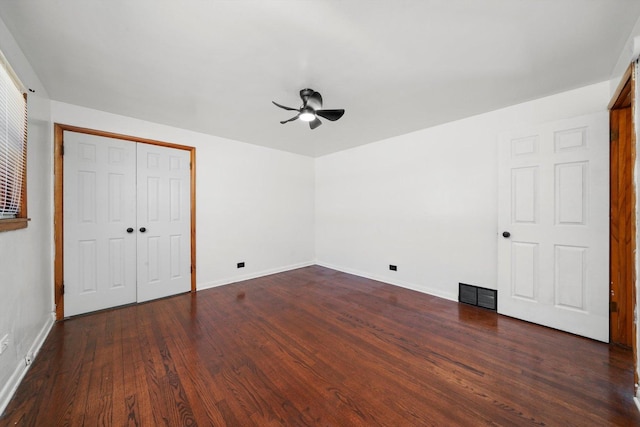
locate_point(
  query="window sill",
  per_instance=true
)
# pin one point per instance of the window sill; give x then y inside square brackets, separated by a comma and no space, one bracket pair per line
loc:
[13,224]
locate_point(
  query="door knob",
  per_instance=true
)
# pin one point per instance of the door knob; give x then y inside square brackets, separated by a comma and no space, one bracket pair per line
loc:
[142,229]
[506,234]
[129,230]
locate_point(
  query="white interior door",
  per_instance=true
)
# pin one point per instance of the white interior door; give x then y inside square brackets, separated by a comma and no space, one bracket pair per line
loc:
[164,255]
[554,202]
[99,207]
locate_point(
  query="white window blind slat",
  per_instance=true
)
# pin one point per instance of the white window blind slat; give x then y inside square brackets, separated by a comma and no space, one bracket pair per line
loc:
[12,143]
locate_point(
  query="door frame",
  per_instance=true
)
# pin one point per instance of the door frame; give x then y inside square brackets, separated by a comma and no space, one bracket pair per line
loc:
[58,197]
[623,97]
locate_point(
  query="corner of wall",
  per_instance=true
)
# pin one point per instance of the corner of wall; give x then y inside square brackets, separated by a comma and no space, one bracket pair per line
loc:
[629,53]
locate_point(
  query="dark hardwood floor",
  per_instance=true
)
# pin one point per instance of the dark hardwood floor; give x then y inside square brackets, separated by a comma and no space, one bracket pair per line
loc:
[318,347]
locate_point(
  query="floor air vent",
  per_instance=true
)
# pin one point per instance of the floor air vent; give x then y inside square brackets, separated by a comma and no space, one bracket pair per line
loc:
[481,297]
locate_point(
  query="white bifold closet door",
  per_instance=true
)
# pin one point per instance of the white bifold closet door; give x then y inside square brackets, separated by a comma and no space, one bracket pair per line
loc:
[126,222]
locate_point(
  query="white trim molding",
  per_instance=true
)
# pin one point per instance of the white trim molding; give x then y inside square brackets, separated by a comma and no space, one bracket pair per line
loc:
[406,285]
[23,365]
[230,280]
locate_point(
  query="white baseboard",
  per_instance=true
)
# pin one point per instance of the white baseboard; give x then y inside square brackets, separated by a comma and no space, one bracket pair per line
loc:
[234,279]
[413,287]
[636,399]
[429,291]
[9,389]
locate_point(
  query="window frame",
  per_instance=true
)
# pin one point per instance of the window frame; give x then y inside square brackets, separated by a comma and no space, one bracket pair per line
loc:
[21,219]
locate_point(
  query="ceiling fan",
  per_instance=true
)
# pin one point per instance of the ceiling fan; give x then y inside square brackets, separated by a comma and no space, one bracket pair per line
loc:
[311,109]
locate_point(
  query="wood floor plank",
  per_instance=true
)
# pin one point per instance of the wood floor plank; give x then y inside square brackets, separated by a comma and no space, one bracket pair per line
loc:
[316,347]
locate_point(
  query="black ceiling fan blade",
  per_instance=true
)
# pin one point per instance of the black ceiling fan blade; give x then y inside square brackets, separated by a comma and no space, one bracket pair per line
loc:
[291,119]
[315,123]
[283,107]
[332,115]
[314,101]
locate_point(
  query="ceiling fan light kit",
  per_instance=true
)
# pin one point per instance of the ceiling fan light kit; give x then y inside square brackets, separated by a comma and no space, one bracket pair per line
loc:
[311,109]
[307,115]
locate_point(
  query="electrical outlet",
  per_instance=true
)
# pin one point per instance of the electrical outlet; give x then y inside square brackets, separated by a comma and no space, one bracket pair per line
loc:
[393,267]
[4,343]
[241,265]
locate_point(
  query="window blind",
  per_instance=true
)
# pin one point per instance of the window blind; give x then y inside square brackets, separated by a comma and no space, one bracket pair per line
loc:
[13,139]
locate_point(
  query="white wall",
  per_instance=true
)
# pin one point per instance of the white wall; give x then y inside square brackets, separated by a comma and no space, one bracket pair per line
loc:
[629,52]
[254,204]
[427,201]
[26,269]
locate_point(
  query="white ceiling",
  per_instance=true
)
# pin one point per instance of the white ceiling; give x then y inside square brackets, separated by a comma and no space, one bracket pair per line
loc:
[394,66]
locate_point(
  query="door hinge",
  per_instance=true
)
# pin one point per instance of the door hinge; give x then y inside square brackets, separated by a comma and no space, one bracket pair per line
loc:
[62,150]
[62,289]
[613,307]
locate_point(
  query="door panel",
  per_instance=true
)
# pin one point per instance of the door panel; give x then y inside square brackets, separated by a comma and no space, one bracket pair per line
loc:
[553,200]
[99,205]
[524,191]
[524,270]
[164,255]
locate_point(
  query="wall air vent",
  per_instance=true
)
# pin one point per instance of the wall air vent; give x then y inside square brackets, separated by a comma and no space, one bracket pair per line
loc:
[475,295]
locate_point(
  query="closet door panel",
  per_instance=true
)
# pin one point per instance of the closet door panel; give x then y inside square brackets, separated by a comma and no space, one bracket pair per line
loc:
[164,221]
[99,207]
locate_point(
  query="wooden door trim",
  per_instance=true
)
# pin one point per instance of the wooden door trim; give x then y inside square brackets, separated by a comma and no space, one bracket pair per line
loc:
[58,197]
[624,97]
[622,227]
